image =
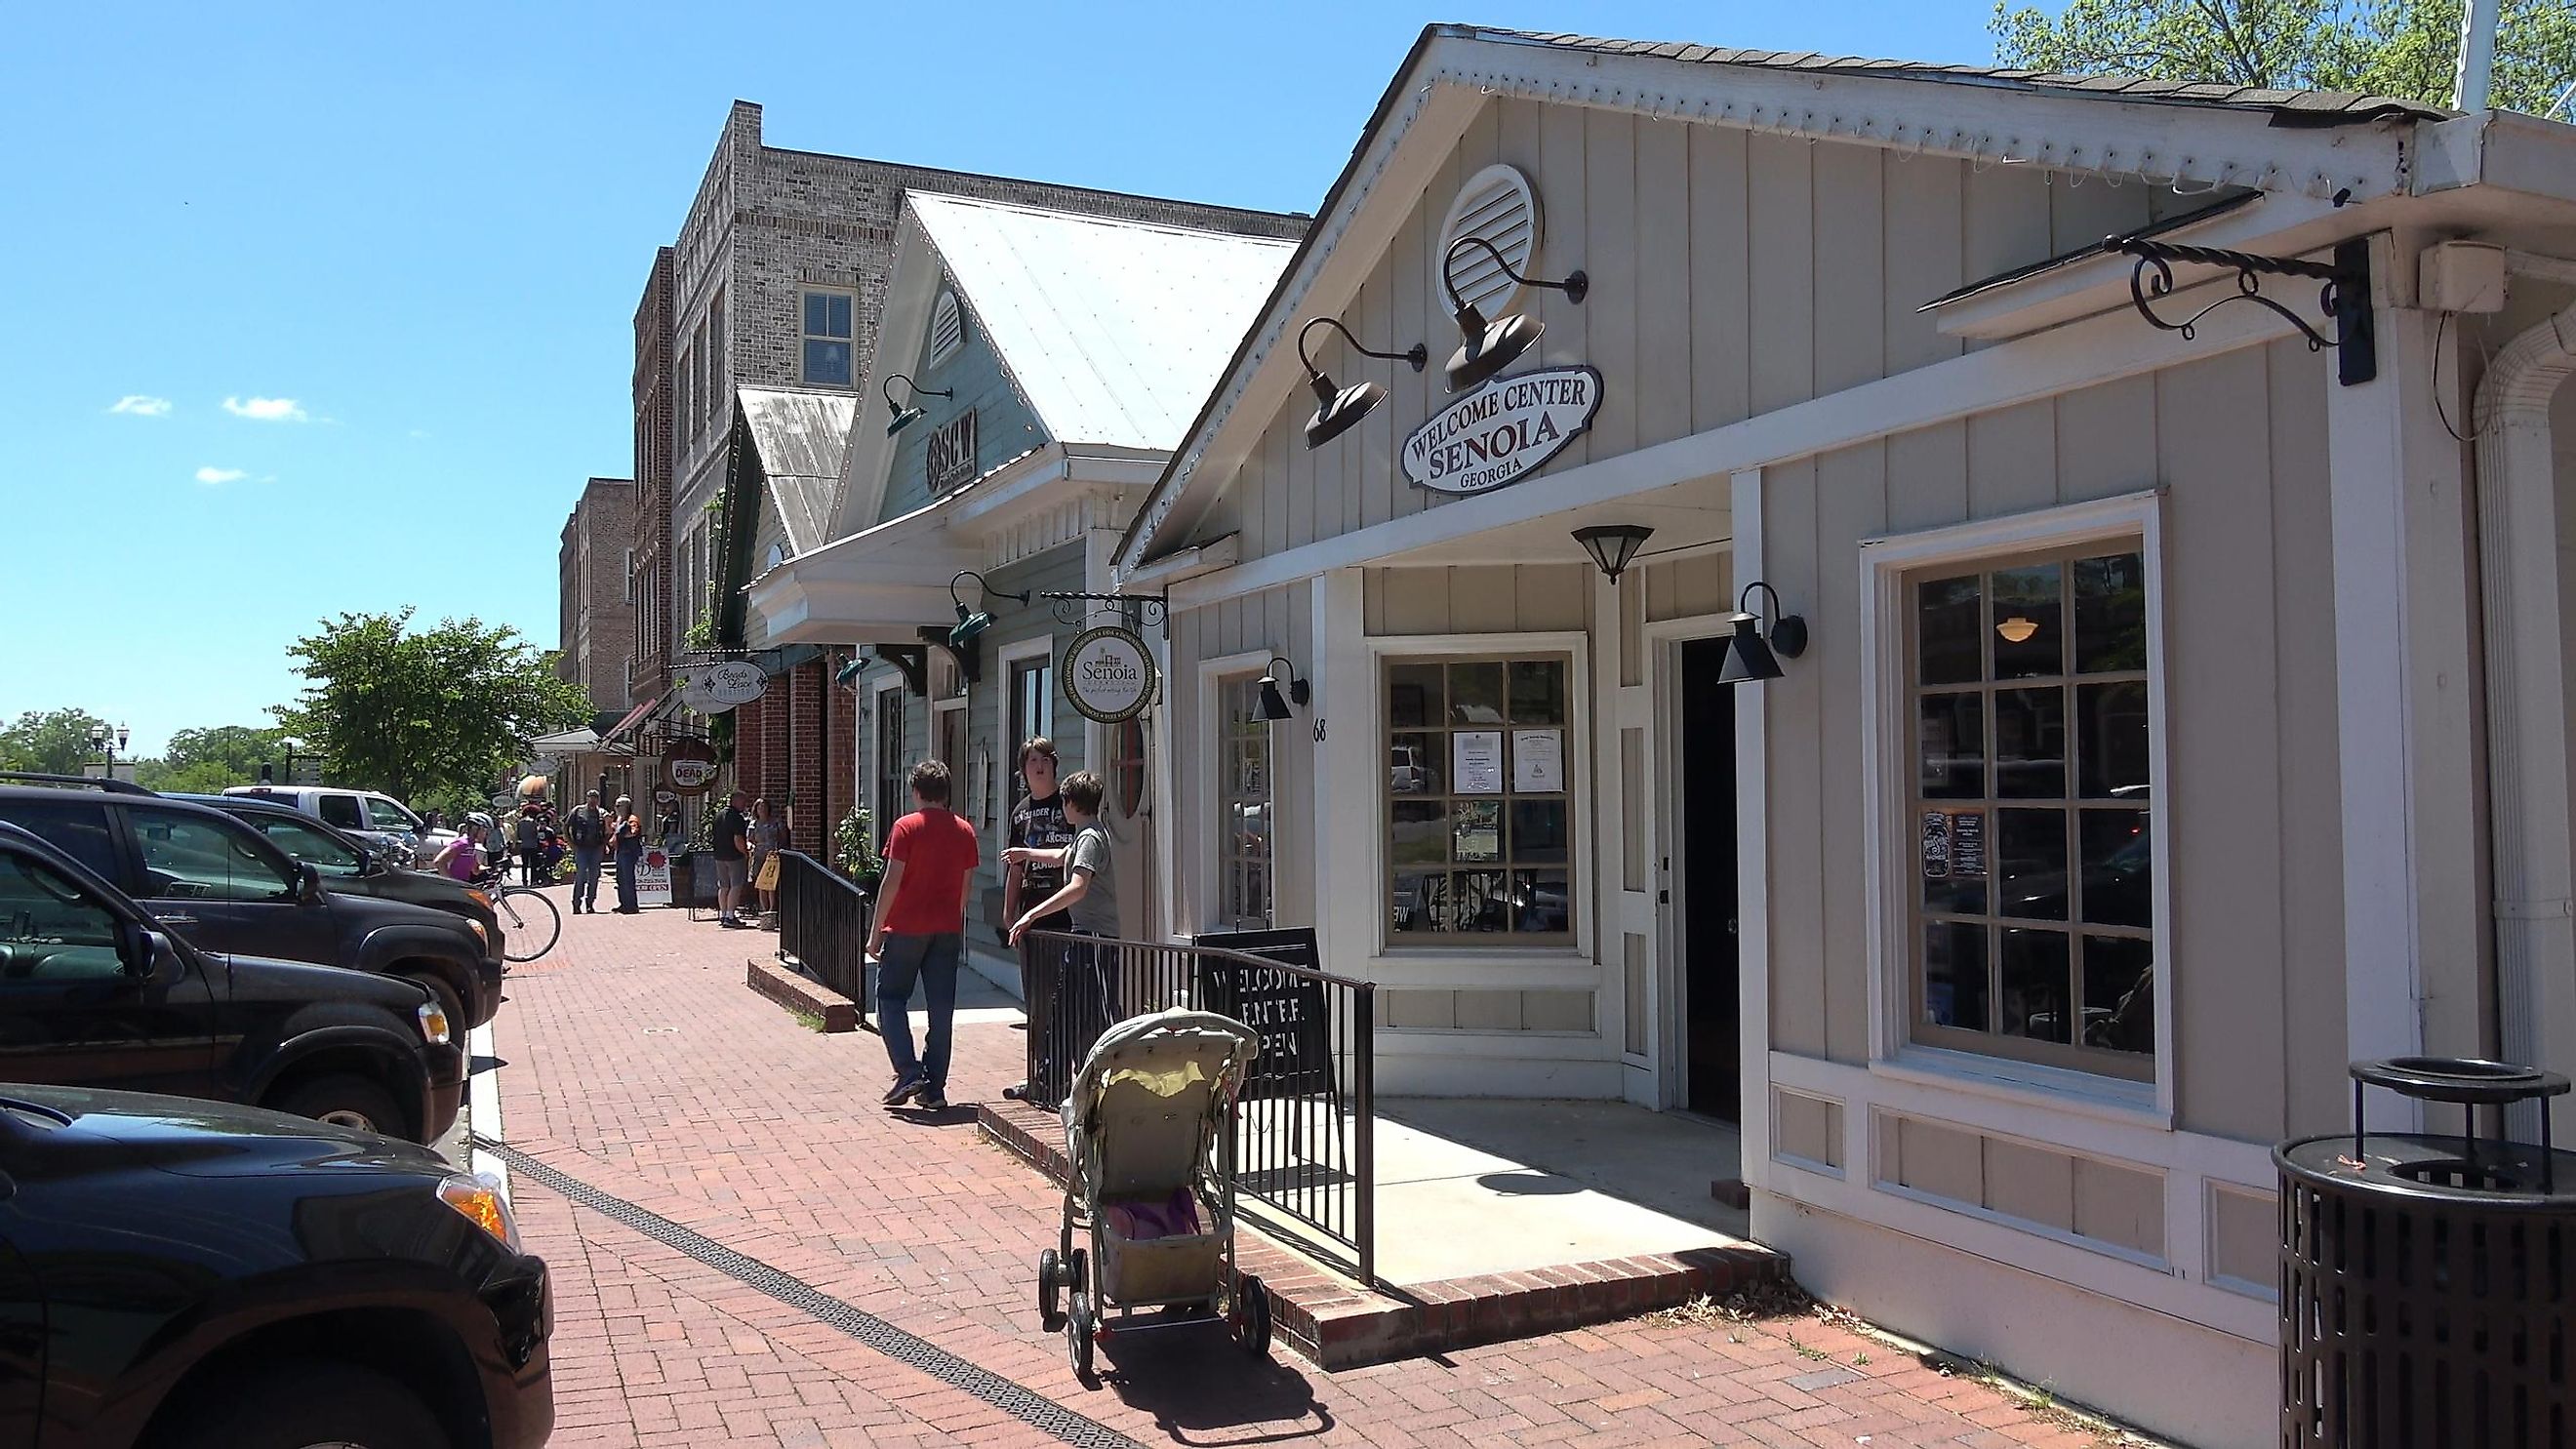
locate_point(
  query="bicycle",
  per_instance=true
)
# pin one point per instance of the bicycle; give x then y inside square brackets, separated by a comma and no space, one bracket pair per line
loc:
[522,920]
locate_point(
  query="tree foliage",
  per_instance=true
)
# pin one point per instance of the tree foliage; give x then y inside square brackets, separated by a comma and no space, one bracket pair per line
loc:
[416,713]
[2402,48]
[204,761]
[54,741]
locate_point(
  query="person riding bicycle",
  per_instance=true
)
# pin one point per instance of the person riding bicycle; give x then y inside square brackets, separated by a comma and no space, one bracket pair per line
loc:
[458,859]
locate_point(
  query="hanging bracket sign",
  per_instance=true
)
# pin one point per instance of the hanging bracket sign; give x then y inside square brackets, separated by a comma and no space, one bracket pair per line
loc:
[715,688]
[1109,674]
[1503,431]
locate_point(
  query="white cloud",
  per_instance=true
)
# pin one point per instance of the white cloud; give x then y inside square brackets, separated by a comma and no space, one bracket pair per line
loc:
[141,406]
[219,476]
[267,409]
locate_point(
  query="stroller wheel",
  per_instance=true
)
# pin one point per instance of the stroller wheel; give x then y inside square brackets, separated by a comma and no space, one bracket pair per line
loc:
[1050,1291]
[1252,1316]
[1077,1339]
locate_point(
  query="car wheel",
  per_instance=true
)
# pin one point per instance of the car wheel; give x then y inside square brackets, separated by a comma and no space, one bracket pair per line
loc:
[343,1102]
[307,1405]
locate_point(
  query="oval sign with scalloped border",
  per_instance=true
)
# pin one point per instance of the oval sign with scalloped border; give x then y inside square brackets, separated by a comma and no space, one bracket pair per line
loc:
[1108,674]
[1501,432]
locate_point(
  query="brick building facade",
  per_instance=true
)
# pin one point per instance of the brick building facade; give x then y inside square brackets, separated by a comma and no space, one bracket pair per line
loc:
[650,671]
[596,593]
[777,279]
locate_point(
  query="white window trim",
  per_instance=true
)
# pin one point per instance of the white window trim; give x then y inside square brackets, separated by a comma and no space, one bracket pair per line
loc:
[1213,673]
[1886,733]
[857,372]
[1404,965]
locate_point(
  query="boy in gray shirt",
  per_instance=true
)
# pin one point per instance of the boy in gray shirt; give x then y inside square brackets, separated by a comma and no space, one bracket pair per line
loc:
[1090,894]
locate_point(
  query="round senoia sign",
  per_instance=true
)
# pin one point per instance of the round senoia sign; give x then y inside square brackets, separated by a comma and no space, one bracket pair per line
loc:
[715,688]
[1503,431]
[1109,674]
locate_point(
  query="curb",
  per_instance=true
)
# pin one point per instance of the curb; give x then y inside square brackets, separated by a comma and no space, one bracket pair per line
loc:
[483,1108]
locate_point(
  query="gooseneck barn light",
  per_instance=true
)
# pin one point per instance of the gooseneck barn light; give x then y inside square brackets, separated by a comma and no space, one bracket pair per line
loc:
[1487,348]
[1272,707]
[1612,545]
[971,625]
[1337,410]
[900,417]
[1749,650]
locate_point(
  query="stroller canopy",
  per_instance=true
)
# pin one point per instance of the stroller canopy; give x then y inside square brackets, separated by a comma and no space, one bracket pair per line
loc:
[1149,1096]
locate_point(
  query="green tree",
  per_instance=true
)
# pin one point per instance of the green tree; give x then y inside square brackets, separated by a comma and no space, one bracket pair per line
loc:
[54,741]
[203,761]
[415,711]
[2402,48]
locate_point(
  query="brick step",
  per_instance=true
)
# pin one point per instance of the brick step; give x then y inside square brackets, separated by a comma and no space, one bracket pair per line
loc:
[803,993]
[1340,1324]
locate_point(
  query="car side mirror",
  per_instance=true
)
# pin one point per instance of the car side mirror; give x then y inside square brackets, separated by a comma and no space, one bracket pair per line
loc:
[150,956]
[308,884]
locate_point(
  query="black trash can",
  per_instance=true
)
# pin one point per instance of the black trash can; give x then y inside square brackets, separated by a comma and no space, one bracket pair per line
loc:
[2428,1282]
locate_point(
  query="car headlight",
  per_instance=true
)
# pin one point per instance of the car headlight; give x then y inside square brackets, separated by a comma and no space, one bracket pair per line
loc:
[433,1023]
[482,937]
[477,1196]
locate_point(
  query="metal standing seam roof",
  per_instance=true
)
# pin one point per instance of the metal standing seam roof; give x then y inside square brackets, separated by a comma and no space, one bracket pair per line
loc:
[801,437]
[2322,107]
[1115,331]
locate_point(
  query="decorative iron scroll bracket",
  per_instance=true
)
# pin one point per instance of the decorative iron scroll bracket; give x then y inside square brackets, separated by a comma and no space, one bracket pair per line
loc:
[1076,608]
[2343,297]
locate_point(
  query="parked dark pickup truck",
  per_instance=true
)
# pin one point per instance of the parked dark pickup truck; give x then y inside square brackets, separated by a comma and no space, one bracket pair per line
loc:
[222,886]
[96,993]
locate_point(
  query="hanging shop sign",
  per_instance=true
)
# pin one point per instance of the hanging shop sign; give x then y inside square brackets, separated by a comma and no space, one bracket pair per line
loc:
[1108,674]
[691,766]
[950,458]
[715,688]
[1501,432]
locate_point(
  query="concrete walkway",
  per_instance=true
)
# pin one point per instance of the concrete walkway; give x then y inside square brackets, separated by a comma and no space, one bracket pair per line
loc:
[640,1067]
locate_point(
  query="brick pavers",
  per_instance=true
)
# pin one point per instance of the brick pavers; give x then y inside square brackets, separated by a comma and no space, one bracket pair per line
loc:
[640,1063]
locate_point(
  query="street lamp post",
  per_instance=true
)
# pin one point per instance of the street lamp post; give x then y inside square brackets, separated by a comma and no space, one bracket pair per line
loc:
[107,742]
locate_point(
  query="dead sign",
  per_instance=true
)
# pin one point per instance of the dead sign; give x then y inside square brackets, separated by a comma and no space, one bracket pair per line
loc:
[1502,432]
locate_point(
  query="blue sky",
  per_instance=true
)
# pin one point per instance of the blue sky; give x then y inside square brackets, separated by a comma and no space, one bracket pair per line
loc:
[370,276]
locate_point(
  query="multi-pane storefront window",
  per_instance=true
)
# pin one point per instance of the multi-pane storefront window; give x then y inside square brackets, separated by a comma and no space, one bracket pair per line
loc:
[1247,843]
[2034,920]
[1479,812]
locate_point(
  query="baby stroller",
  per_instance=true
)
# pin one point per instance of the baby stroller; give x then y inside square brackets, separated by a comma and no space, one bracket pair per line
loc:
[1149,1135]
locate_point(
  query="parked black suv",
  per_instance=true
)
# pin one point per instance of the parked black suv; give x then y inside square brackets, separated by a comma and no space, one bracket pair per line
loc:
[350,867]
[189,1276]
[224,887]
[94,993]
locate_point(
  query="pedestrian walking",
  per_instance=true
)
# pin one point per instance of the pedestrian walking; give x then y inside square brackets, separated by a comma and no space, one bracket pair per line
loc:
[1086,998]
[733,860]
[1037,824]
[768,837]
[586,830]
[920,934]
[626,838]
[528,835]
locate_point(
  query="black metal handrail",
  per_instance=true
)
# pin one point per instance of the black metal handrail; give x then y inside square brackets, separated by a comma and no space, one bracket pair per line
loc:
[1306,1126]
[823,925]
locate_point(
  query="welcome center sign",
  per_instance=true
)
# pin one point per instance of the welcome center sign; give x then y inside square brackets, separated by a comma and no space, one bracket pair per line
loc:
[1503,431]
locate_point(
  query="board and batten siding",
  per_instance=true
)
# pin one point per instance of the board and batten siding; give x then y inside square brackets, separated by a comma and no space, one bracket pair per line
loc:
[1272,621]
[2252,804]
[1731,274]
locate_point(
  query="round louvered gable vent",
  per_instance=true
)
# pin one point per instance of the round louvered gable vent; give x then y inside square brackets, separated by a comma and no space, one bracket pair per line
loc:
[947,329]
[1497,205]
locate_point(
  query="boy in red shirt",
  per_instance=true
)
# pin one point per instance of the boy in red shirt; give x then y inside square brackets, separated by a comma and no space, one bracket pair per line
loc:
[930,860]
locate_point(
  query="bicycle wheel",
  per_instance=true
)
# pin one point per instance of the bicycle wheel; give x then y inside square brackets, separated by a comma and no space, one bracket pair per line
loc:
[530,922]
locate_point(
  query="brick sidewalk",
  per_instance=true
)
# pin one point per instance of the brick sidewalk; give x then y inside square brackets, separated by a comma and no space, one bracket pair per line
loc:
[639,1063]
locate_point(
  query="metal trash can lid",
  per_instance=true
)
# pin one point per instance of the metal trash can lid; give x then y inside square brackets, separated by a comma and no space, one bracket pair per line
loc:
[2468,1080]
[2483,1173]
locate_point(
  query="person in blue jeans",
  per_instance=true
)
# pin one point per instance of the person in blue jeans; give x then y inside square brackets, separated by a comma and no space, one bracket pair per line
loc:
[586,829]
[626,835]
[920,934]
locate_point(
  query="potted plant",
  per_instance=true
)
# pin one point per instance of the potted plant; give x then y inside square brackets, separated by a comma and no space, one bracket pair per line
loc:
[854,852]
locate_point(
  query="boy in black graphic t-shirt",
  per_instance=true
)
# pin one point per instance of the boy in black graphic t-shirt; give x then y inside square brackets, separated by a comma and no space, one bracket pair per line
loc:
[1037,823]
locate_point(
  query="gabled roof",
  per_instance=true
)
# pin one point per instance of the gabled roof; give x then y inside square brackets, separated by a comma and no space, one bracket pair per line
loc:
[2316,107]
[801,437]
[1114,330]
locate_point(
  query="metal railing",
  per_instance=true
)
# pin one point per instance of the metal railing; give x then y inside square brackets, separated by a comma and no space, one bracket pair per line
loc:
[823,926]
[1305,1126]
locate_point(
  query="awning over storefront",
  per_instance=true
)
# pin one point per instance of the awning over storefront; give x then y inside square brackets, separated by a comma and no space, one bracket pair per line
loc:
[626,728]
[570,742]
[883,585]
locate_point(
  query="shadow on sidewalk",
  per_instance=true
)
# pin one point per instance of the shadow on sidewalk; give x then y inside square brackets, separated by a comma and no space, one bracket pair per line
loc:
[1196,1380]
[955,1114]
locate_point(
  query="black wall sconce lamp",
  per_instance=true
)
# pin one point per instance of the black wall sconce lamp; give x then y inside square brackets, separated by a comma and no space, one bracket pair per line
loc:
[1487,348]
[1272,707]
[900,418]
[971,625]
[1337,411]
[1613,545]
[1750,650]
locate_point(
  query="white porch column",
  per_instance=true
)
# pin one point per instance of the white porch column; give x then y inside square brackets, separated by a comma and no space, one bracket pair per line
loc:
[2403,685]
[1753,866]
[1350,902]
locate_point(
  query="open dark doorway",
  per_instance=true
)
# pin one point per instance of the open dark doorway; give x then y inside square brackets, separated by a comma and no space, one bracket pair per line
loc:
[1704,759]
